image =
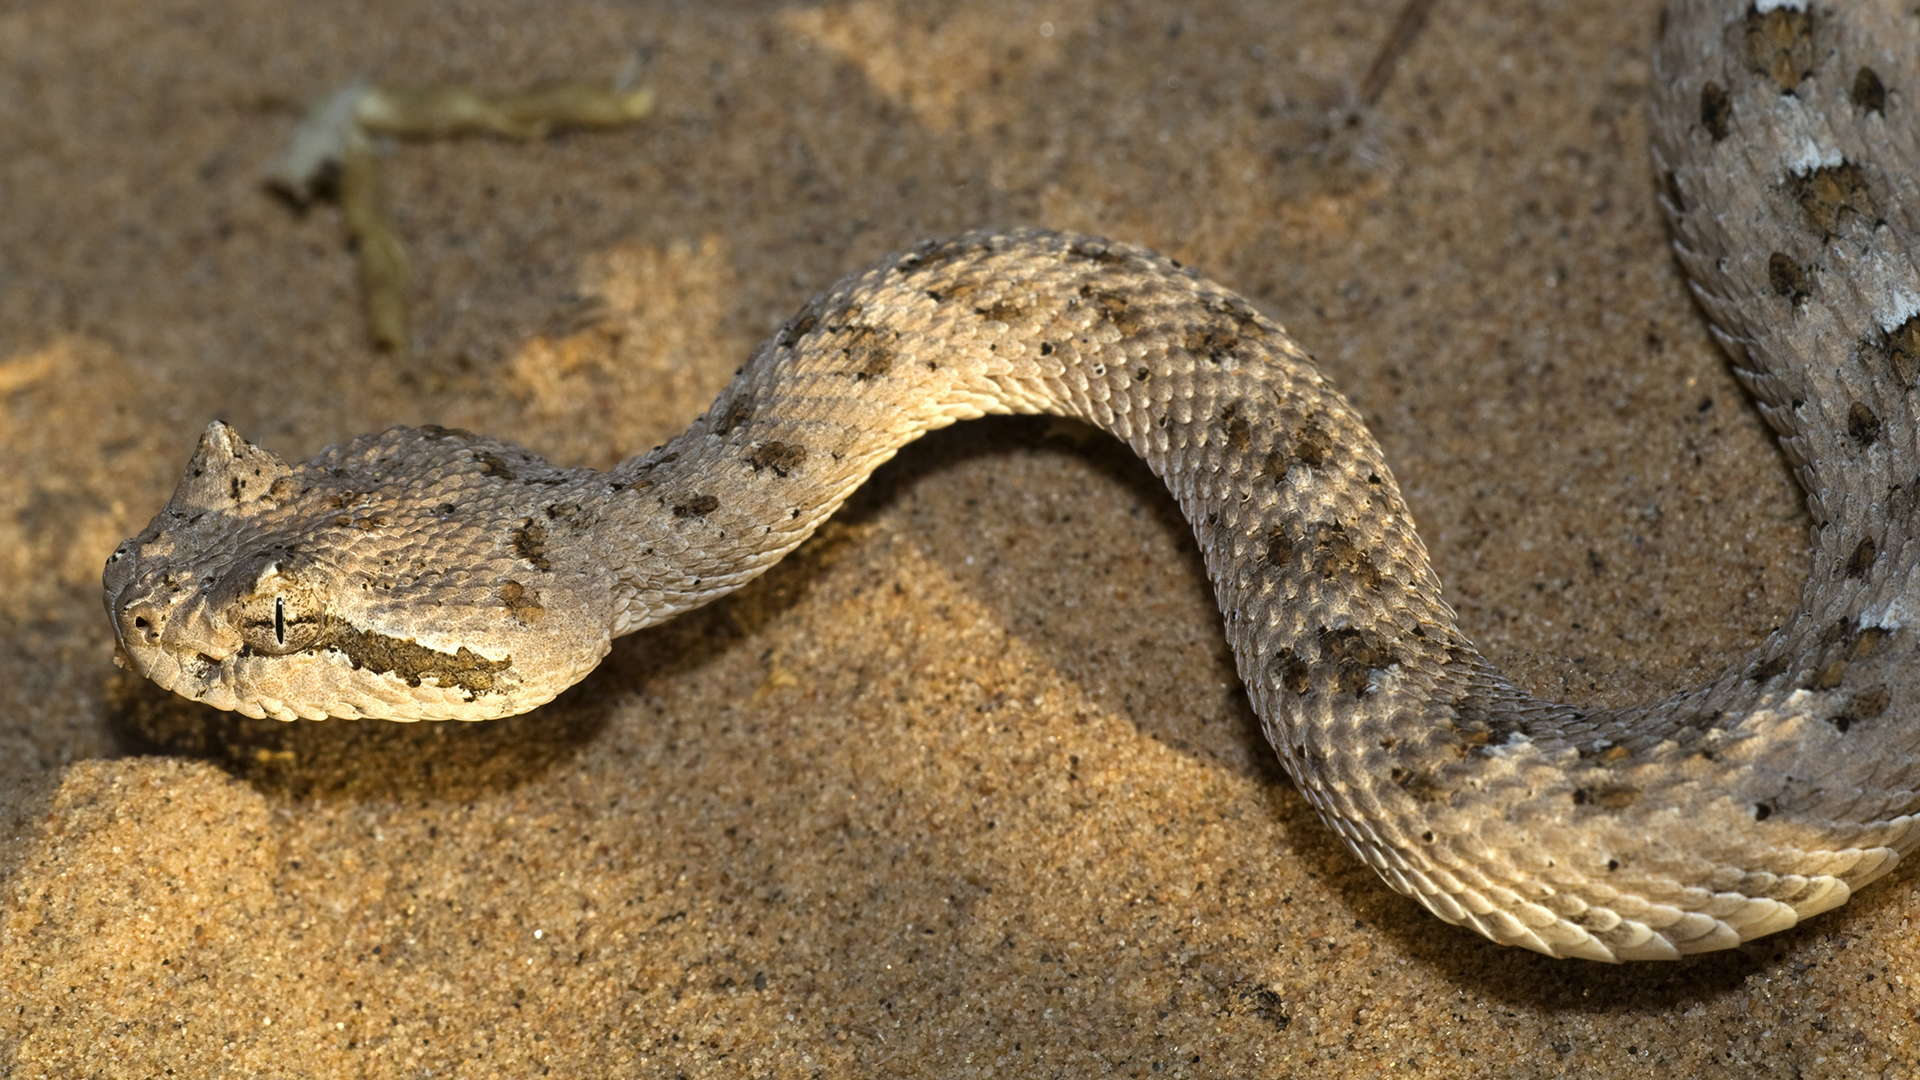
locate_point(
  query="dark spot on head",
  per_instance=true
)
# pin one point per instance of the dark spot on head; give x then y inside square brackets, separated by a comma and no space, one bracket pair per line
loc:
[1716,111]
[1869,94]
[1829,194]
[1787,277]
[529,541]
[1046,348]
[1780,45]
[698,506]
[1862,558]
[522,603]
[1761,811]
[781,457]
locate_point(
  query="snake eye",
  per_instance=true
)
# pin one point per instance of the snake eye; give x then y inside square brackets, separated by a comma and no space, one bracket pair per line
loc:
[281,614]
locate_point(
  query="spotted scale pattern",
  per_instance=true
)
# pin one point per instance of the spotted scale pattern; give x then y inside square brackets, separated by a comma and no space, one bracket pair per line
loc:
[433,574]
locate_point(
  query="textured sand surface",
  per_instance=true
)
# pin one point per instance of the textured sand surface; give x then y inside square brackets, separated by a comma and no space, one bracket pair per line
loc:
[967,787]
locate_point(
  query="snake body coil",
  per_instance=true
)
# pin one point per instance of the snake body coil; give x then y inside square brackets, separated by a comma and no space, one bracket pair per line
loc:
[435,574]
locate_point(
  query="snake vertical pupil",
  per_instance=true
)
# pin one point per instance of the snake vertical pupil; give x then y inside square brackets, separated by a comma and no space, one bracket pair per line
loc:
[279,620]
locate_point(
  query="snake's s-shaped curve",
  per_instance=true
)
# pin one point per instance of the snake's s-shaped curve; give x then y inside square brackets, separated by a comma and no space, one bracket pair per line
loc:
[427,573]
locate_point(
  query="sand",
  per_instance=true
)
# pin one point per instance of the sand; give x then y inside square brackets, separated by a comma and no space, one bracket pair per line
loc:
[967,787]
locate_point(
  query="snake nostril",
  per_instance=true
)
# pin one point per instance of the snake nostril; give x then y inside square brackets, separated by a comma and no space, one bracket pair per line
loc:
[142,624]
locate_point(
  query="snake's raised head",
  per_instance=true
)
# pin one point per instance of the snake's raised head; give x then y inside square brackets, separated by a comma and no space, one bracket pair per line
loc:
[399,576]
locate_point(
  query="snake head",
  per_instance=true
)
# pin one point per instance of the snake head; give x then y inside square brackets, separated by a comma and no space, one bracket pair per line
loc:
[192,594]
[352,586]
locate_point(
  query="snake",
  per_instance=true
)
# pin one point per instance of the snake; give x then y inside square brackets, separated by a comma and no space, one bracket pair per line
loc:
[435,574]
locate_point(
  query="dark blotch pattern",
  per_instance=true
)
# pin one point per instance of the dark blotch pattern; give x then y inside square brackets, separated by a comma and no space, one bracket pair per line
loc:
[1335,556]
[1828,677]
[1862,558]
[698,506]
[1897,351]
[1611,797]
[1355,654]
[1780,45]
[530,543]
[1771,668]
[869,352]
[736,413]
[1869,94]
[1116,308]
[1312,446]
[522,603]
[1005,311]
[1829,193]
[1279,549]
[781,457]
[1295,674]
[1862,424]
[1716,111]
[1239,433]
[1211,343]
[1868,704]
[415,663]
[1787,278]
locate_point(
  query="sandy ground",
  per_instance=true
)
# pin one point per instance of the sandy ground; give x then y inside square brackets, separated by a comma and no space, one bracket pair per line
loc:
[967,787]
